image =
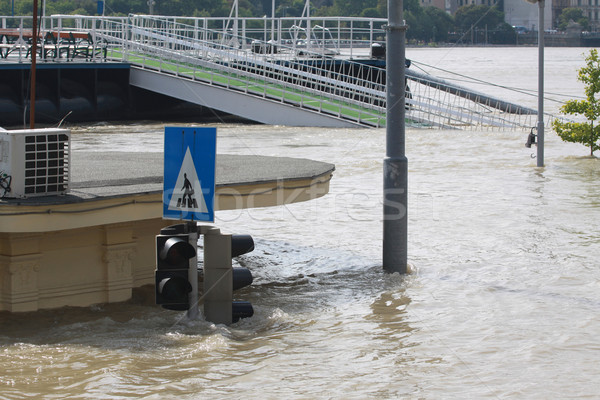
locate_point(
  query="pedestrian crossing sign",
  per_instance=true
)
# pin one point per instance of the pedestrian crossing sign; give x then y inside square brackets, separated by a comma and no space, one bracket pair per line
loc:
[189,173]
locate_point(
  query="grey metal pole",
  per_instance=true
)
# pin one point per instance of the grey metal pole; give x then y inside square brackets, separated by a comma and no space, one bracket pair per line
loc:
[34,41]
[395,165]
[540,122]
[193,311]
[273,23]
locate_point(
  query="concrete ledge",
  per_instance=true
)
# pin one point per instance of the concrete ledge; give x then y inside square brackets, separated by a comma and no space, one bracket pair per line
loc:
[120,187]
[95,244]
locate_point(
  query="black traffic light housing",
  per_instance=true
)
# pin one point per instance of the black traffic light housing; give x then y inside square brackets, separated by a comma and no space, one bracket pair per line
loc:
[173,255]
[221,279]
[242,277]
[530,139]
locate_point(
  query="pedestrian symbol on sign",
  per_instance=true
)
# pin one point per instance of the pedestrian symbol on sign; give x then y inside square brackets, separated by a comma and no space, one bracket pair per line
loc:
[187,194]
[188,191]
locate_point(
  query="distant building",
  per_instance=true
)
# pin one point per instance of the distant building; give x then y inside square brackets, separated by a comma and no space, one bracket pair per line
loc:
[557,7]
[591,10]
[524,14]
[450,6]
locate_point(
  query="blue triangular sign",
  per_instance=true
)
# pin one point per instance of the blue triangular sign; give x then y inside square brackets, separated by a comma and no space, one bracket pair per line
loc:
[189,174]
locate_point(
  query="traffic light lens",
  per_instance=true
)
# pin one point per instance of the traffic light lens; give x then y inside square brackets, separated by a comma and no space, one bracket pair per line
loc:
[177,251]
[241,309]
[175,289]
[242,277]
[175,258]
[241,244]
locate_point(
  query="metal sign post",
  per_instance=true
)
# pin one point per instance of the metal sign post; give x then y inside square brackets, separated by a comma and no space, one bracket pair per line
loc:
[189,188]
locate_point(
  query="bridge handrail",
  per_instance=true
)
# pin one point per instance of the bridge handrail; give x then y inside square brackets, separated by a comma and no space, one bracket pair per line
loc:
[173,34]
[304,67]
[237,82]
[233,55]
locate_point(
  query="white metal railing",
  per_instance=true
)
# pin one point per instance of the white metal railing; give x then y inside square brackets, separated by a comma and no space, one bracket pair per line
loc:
[172,47]
[274,58]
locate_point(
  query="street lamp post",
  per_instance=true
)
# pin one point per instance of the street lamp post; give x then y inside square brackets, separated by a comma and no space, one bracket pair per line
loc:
[540,121]
[34,40]
[395,165]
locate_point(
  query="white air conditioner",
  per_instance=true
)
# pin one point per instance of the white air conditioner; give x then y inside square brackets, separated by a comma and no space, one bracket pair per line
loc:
[34,162]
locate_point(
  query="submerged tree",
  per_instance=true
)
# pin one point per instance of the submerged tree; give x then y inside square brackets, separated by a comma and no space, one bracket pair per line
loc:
[586,133]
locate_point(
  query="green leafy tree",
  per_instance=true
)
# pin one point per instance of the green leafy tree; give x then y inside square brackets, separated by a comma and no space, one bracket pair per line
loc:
[478,16]
[290,8]
[586,133]
[502,34]
[418,27]
[440,24]
[573,14]
[353,7]
[371,12]
[424,24]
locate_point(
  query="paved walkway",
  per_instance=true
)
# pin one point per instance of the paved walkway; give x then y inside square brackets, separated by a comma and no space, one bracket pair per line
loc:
[97,175]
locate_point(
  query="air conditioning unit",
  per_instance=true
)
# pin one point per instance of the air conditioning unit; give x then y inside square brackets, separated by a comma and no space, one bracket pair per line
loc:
[34,162]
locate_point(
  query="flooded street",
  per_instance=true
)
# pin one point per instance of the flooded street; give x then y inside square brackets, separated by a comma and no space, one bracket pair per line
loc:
[502,300]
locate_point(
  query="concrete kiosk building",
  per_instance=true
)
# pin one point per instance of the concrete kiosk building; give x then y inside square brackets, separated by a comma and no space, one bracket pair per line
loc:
[95,243]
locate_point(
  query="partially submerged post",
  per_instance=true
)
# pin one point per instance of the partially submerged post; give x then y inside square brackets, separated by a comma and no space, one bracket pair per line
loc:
[540,113]
[34,39]
[540,122]
[395,165]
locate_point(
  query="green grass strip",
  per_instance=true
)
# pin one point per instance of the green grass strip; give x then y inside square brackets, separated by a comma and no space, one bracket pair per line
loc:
[258,87]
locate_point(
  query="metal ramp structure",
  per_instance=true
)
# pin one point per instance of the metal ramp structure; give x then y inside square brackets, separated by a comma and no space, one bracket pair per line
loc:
[322,79]
[170,58]
[236,101]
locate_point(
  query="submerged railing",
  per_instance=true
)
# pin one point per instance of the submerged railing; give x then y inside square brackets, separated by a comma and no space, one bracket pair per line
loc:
[325,68]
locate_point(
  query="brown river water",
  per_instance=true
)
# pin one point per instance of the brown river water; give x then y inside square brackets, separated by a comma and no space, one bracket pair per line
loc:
[503,298]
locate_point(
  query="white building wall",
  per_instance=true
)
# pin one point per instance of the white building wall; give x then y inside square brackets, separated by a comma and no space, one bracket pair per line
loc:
[523,13]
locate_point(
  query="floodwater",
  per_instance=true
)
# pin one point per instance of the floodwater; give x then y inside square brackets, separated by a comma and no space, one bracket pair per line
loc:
[502,300]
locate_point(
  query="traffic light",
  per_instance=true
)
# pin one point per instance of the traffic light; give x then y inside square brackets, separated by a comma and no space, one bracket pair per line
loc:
[221,279]
[173,254]
[530,139]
